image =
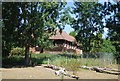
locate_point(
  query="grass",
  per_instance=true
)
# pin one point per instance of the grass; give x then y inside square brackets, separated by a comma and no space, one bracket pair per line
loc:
[12,61]
[42,58]
[70,61]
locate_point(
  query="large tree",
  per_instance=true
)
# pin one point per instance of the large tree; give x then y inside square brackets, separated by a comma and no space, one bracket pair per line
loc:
[113,25]
[88,22]
[96,43]
[10,15]
[108,47]
[30,24]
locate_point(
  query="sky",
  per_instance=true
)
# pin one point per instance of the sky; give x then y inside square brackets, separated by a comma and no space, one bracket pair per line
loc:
[68,28]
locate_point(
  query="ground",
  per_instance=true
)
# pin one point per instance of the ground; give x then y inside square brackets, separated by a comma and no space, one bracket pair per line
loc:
[39,72]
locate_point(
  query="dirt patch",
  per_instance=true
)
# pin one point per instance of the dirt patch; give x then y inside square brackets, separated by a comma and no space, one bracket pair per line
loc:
[39,72]
[89,74]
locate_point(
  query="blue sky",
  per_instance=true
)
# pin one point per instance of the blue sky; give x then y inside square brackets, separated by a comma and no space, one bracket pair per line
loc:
[68,28]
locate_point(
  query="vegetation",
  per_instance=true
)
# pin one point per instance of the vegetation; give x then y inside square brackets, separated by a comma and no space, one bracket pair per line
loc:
[69,61]
[13,61]
[114,26]
[72,33]
[17,52]
[87,22]
[108,47]
[30,24]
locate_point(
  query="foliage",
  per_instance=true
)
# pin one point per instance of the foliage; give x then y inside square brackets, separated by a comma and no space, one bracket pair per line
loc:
[45,43]
[113,25]
[17,51]
[96,43]
[12,61]
[89,25]
[8,27]
[30,24]
[69,63]
[108,47]
[72,33]
[87,22]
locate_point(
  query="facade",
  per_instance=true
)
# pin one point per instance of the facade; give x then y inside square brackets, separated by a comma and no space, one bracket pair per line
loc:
[62,43]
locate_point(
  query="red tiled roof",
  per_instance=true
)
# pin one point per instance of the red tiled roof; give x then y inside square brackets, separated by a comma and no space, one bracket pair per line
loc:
[63,36]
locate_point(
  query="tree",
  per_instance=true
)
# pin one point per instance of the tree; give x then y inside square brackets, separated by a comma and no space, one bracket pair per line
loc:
[72,33]
[88,21]
[113,24]
[108,47]
[8,27]
[96,43]
[30,23]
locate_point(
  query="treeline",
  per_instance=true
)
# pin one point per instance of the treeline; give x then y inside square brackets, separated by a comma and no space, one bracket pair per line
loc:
[90,20]
[29,24]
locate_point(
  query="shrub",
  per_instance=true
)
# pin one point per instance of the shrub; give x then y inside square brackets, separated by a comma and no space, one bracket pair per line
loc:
[17,51]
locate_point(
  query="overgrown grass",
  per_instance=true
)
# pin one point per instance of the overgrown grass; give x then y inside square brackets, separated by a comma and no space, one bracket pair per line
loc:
[52,58]
[43,58]
[69,61]
[89,61]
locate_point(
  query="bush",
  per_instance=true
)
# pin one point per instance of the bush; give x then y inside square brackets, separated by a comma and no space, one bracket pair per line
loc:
[17,51]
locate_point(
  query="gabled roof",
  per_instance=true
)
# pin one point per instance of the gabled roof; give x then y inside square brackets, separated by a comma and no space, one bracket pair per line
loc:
[62,36]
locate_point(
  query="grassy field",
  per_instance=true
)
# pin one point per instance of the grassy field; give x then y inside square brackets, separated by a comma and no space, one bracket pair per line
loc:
[63,60]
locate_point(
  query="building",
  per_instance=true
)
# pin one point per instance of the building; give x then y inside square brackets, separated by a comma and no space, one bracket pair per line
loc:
[62,43]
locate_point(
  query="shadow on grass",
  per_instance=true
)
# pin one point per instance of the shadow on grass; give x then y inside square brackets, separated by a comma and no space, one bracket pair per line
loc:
[15,62]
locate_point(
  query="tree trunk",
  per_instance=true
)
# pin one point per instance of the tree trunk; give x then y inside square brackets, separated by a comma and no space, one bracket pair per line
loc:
[27,58]
[42,50]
